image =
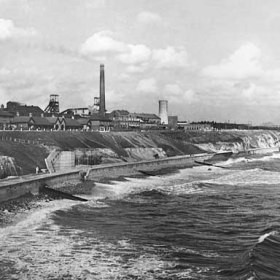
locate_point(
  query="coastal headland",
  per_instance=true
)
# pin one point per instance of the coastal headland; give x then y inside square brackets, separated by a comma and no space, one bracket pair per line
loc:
[114,154]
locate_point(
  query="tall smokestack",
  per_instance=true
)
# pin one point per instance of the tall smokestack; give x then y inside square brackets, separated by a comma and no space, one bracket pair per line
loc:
[163,111]
[102,109]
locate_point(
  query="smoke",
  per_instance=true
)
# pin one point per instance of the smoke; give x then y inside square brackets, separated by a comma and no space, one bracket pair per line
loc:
[60,49]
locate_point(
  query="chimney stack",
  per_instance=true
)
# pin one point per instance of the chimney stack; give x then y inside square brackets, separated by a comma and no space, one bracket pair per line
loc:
[102,109]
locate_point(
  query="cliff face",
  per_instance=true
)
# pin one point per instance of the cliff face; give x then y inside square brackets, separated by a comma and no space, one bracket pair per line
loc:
[30,148]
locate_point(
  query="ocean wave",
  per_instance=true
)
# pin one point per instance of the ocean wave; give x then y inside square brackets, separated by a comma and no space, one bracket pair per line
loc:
[266,235]
[254,176]
[260,261]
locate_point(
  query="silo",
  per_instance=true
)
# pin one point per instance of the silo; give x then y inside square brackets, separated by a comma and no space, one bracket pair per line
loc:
[163,111]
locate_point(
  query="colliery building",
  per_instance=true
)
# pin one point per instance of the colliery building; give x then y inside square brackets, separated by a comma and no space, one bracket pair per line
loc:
[18,116]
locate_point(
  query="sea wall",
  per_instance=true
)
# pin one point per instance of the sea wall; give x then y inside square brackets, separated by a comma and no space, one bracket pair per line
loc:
[13,188]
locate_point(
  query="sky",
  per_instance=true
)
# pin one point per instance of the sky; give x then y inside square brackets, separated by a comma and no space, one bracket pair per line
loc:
[211,59]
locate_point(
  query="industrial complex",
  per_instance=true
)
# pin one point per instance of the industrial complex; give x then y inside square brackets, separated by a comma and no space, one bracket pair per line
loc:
[18,116]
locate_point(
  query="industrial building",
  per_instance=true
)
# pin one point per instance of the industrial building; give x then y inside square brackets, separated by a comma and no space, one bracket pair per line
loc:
[18,116]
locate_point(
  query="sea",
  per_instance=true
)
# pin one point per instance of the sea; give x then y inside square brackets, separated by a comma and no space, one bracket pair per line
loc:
[206,222]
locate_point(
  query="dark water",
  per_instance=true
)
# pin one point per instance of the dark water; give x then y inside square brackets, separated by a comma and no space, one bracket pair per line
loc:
[196,224]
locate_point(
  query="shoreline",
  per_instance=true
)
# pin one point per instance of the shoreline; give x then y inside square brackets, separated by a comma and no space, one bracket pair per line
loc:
[12,210]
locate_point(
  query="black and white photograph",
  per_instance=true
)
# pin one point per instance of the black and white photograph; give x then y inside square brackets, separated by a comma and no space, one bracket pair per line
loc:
[139,140]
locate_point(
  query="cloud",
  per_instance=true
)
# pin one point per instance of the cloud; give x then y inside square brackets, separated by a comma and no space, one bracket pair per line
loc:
[147,86]
[4,72]
[135,54]
[102,42]
[8,30]
[171,57]
[249,91]
[173,89]
[243,63]
[96,4]
[138,57]
[134,69]
[176,95]
[148,18]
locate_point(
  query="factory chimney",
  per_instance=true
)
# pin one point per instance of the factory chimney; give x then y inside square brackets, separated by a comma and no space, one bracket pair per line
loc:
[163,109]
[102,109]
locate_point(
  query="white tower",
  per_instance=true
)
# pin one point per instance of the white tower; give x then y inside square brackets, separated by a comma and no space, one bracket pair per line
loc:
[163,111]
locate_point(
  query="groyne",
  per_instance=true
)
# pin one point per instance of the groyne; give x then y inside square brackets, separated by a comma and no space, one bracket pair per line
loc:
[19,186]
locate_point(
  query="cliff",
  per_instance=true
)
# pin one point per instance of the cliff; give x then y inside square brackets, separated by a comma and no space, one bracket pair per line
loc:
[28,149]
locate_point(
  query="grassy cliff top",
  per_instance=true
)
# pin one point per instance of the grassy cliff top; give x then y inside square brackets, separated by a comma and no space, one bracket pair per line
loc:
[30,148]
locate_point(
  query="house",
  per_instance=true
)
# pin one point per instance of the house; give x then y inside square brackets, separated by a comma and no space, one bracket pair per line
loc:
[52,121]
[67,124]
[20,123]
[5,119]
[39,123]
[85,123]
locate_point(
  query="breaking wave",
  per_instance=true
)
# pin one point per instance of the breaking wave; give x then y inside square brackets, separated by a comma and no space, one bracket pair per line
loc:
[199,223]
[263,140]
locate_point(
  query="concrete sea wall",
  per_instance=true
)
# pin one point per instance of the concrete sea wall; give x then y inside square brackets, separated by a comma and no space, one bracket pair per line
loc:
[13,188]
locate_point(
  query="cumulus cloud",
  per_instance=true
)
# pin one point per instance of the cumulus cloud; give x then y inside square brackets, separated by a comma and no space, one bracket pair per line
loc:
[242,64]
[171,57]
[135,54]
[147,86]
[137,57]
[102,42]
[176,95]
[148,17]
[8,30]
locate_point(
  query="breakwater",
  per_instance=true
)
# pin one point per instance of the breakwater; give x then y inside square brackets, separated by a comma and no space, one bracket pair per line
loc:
[16,187]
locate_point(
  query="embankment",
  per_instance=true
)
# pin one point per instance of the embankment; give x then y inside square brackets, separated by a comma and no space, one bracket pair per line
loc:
[132,152]
[28,149]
